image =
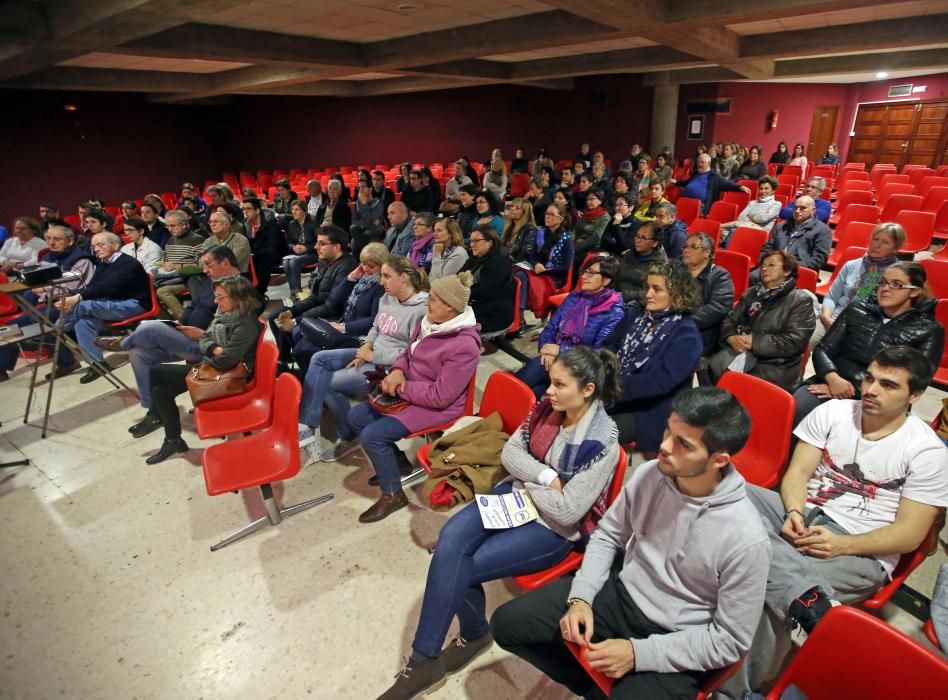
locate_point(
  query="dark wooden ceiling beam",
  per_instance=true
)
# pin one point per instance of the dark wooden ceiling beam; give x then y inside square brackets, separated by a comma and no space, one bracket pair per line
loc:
[94,79]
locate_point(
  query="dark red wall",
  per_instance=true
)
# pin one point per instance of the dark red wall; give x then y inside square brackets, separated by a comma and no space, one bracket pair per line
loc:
[115,145]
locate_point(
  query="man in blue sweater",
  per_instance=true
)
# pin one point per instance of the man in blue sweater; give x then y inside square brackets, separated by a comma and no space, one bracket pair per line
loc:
[690,589]
[706,185]
[119,289]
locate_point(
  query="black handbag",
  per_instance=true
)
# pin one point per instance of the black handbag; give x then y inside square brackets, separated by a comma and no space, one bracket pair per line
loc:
[319,332]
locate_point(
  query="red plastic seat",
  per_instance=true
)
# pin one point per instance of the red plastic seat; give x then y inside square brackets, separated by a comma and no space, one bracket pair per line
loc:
[851,654]
[518,184]
[575,558]
[941,373]
[929,630]
[919,227]
[807,279]
[246,412]
[849,199]
[885,193]
[851,176]
[150,313]
[935,200]
[858,212]
[898,203]
[468,411]
[751,185]
[708,226]
[928,182]
[850,253]
[688,209]
[917,175]
[854,166]
[855,233]
[747,240]
[722,212]
[908,562]
[891,178]
[771,409]
[936,269]
[739,198]
[738,265]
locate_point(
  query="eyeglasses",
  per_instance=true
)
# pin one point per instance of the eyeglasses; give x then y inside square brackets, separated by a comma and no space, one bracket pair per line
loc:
[591,273]
[130,231]
[644,238]
[693,246]
[218,297]
[895,284]
[477,240]
[554,215]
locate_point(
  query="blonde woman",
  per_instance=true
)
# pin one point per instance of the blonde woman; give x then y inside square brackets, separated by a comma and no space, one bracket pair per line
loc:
[448,254]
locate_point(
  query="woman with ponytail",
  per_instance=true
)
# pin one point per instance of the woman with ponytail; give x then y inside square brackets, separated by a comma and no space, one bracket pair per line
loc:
[563,456]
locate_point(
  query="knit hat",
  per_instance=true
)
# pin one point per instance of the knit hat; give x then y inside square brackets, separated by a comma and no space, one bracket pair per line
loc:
[454,290]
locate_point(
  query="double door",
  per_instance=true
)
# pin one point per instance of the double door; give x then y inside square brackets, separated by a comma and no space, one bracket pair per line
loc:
[901,133]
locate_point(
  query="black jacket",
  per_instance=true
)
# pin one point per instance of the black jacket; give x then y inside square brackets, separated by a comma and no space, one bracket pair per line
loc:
[717,298]
[269,240]
[633,269]
[525,247]
[124,279]
[424,199]
[859,333]
[341,215]
[492,294]
[321,302]
[300,235]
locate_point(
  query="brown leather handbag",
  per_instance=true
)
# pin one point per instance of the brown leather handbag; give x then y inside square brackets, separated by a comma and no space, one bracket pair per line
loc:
[205,382]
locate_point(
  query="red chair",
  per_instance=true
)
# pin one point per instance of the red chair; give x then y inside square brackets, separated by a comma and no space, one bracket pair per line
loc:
[898,203]
[941,374]
[259,460]
[574,558]
[851,176]
[504,393]
[908,562]
[886,192]
[519,184]
[739,265]
[854,166]
[722,212]
[792,179]
[751,185]
[764,457]
[927,183]
[786,190]
[851,654]
[747,240]
[929,630]
[150,313]
[850,199]
[708,226]
[807,279]
[246,412]
[688,209]
[934,199]
[916,176]
[850,253]
[919,227]
[880,170]
[937,271]
[858,212]
[891,178]
[855,233]
[739,198]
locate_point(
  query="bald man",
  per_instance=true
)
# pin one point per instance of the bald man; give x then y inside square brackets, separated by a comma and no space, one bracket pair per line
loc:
[400,234]
[804,236]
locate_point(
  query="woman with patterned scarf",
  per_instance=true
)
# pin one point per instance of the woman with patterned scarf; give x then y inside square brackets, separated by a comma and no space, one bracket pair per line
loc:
[550,260]
[563,456]
[659,347]
[586,317]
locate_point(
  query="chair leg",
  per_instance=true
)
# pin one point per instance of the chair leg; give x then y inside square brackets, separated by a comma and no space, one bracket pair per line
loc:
[504,344]
[415,476]
[241,533]
[306,505]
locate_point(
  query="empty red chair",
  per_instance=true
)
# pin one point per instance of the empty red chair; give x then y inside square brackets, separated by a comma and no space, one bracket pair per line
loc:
[891,179]
[575,558]
[858,212]
[941,222]
[910,167]
[763,458]
[887,191]
[259,460]
[851,176]
[930,181]
[747,240]
[852,186]
[786,190]
[739,198]
[518,184]
[825,667]
[807,279]
[934,199]
[936,269]
[246,412]
[708,226]
[789,179]
[919,227]
[850,253]
[942,171]
[941,315]
[854,166]
[688,209]
[855,233]
[738,265]
[900,202]
[722,212]
[916,176]
[848,199]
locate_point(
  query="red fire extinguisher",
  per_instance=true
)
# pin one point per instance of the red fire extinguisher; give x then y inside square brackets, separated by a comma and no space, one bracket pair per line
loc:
[774,118]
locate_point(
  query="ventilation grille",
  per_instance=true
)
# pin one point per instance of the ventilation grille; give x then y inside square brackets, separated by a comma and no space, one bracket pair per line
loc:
[900,90]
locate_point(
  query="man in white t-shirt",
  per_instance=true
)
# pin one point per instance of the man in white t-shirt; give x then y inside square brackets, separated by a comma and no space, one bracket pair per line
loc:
[865,484]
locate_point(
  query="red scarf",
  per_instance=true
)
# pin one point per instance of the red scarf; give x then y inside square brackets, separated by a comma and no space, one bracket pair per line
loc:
[593,214]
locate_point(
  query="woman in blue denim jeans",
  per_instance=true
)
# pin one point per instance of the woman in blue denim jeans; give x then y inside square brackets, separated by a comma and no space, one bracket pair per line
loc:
[563,456]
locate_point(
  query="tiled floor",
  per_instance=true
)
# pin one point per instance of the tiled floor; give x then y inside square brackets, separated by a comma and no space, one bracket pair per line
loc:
[109,590]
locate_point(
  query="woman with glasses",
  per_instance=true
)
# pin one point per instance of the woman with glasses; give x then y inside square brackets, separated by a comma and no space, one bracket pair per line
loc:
[900,312]
[620,233]
[766,334]
[550,261]
[492,286]
[488,211]
[139,246]
[634,265]
[586,317]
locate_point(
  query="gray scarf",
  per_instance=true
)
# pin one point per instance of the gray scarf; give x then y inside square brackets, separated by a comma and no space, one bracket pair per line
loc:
[222,321]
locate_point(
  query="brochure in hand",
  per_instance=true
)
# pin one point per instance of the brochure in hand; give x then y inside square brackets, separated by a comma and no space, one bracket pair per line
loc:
[504,511]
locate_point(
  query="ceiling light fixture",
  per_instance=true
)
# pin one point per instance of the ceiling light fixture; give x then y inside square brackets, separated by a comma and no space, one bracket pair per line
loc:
[882,74]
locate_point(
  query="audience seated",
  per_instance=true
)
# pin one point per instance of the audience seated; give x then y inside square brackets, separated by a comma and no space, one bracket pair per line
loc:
[663,169]
[715,285]
[230,339]
[422,245]
[368,219]
[674,231]
[223,234]
[267,244]
[814,188]
[520,230]
[335,208]
[181,259]
[495,179]
[642,178]
[865,484]
[586,317]
[139,246]
[831,157]
[417,197]
[550,261]
[492,282]
[432,376]
[766,334]
[799,157]
[656,195]
[634,265]
[519,163]
[488,211]
[401,233]
[157,231]
[587,233]
[781,156]
[381,192]
[563,456]
[314,197]
[619,235]
[706,185]
[804,236]
[685,596]
[659,348]
[301,239]
[119,289]
[728,163]
[284,197]
[23,247]
[335,375]
[900,312]
[621,187]
[753,168]
[452,202]
[761,214]
[448,254]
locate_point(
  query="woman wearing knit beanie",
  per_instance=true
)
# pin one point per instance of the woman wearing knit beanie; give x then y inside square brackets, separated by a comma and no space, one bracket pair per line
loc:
[432,375]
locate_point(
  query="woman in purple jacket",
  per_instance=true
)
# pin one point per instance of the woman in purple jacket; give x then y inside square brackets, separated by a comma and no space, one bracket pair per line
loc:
[586,317]
[432,376]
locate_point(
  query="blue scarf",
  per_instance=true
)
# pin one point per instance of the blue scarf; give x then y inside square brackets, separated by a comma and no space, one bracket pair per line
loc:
[646,339]
[67,258]
[362,286]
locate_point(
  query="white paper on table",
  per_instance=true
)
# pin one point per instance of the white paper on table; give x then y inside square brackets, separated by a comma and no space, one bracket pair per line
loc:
[500,512]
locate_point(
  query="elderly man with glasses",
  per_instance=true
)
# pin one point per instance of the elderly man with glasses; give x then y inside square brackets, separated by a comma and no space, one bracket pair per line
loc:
[181,260]
[815,187]
[804,236]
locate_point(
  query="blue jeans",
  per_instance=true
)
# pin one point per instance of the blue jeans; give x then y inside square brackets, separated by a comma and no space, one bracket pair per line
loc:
[524,285]
[468,555]
[534,376]
[328,382]
[378,434]
[293,269]
[153,344]
[88,316]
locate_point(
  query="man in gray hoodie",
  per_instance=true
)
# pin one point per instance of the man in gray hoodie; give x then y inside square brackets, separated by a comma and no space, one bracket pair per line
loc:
[690,590]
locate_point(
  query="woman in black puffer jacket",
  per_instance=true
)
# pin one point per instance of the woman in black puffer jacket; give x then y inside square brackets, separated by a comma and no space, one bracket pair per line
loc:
[900,313]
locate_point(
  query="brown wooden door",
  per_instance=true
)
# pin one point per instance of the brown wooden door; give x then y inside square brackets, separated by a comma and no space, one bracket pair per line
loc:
[867,133]
[901,133]
[899,124]
[927,137]
[822,131]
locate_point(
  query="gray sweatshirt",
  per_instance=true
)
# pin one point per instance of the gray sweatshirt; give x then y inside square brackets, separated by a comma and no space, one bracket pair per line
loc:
[393,326]
[695,566]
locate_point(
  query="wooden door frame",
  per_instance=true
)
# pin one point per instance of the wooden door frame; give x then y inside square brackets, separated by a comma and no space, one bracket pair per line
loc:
[832,138]
[886,103]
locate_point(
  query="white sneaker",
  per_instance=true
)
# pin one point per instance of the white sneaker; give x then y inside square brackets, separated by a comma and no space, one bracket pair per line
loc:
[310,452]
[306,435]
[341,449]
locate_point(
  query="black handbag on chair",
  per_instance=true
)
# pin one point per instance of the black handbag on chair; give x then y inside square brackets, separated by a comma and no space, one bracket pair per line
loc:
[319,332]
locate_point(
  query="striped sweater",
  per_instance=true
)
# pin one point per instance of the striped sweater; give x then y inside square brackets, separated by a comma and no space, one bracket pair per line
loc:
[184,250]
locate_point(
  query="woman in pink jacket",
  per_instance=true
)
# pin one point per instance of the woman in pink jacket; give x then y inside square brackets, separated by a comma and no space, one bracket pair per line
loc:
[432,376]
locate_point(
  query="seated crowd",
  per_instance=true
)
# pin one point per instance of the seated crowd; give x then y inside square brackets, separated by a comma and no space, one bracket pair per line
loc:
[691,568]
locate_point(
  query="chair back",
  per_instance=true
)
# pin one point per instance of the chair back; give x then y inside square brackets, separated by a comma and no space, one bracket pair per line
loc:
[886,192]
[824,668]
[708,226]
[937,271]
[751,185]
[856,233]
[688,209]
[738,265]
[929,181]
[916,176]
[722,212]
[898,203]
[851,253]
[919,227]
[807,279]
[859,212]
[892,178]
[739,198]
[519,183]
[149,313]
[934,199]
[854,166]
[508,395]
[763,458]
[747,240]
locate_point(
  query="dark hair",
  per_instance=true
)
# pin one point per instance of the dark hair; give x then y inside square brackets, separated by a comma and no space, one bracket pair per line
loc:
[220,253]
[624,197]
[489,234]
[378,172]
[282,182]
[919,368]
[188,186]
[469,188]
[135,222]
[586,177]
[151,206]
[49,205]
[790,263]
[654,229]
[801,147]
[364,171]
[608,267]
[232,208]
[770,180]
[491,200]
[98,215]
[784,144]
[335,235]
[917,278]
[96,198]
[252,201]
[682,288]
[594,192]
[597,367]
[725,423]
